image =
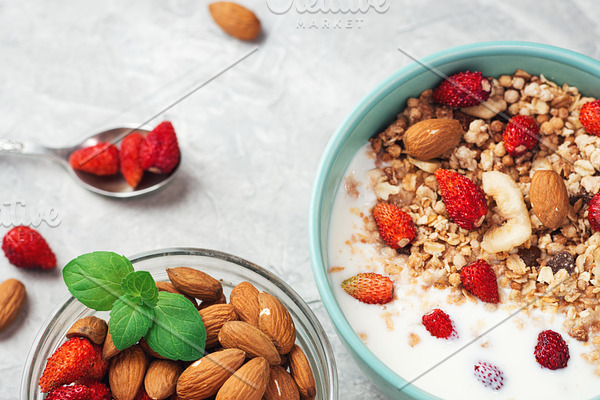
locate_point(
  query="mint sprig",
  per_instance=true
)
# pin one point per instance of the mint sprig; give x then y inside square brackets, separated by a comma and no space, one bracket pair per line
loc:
[169,322]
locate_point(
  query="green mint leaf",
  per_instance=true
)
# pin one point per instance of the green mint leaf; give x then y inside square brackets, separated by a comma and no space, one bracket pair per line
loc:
[177,332]
[95,278]
[140,284]
[129,321]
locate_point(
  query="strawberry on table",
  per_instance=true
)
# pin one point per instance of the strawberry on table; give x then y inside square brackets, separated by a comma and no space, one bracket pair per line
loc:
[551,350]
[464,89]
[159,151]
[395,227]
[520,135]
[439,324]
[465,201]
[131,165]
[26,248]
[101,159]
[490,375]
[69,363]
[480,280]
[589,116]
[370,288]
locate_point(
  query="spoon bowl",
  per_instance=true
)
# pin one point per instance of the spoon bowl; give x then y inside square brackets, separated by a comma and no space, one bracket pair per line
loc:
[111,186]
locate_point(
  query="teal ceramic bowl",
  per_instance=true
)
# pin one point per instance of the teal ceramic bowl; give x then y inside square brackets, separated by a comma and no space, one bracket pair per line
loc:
[374,113]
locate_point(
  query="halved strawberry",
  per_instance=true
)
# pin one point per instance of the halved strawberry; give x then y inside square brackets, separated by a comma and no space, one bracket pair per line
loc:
[479,279]
[488,374]
[551,350]
[26,248]
[464,89]
[520,135]
[131,165]
[395,227]
[439,324]
[69,363]
[465,201]
[589,116]
[101,159]
[370,288]
[159,151]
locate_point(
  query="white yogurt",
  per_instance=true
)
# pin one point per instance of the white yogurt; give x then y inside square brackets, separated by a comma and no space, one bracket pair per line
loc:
[444,368]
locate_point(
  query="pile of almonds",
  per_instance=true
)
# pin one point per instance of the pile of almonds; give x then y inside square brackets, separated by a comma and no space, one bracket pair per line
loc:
[250,349]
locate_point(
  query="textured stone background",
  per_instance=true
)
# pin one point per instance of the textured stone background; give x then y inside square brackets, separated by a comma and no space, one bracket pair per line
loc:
[251,139]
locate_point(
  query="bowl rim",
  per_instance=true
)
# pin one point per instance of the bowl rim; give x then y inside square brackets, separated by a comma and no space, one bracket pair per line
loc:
[349,124]
[68,301]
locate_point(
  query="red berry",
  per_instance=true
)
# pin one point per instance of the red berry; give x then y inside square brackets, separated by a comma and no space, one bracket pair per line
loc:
[594,212]
[75,392]
[26,248]
[551,350]
[131,165]
[589,116]
[370,288]
[69,363]
[142,394]
[488,374]
[464,89]
[101,159]
[520,135]
[395,227]
[439,324]
[99,391]
[465,201]
[159,151]
[480,280]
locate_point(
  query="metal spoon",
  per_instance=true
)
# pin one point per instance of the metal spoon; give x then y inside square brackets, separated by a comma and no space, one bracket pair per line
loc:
[111,186]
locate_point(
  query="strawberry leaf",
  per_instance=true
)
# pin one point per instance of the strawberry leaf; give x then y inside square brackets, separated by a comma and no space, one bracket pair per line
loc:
[129,321]
[95,278]
[177,332]
[140,284]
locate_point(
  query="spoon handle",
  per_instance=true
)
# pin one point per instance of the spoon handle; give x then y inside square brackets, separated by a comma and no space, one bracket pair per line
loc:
[8,146]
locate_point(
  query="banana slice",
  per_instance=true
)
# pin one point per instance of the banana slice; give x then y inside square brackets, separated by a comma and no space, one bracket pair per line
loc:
[517,228]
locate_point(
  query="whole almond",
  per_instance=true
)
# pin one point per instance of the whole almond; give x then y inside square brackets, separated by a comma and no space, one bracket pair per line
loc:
[276,322]
[161,378]
[431,138]
[248,383]
[235,20]
[126,373]
[168,287]
[12,300]
[205,377]
[549,198]
[214,317]
[244,298]
[108,348]
[195,283]
[220,300]
[281,385]
[90,327]
[243,336]
[302,373]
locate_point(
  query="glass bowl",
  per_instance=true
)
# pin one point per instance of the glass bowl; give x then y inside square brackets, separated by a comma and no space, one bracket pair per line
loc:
[230,270]
[373,114]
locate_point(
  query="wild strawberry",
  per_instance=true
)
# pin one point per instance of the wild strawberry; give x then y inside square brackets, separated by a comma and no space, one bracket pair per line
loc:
[101,159]
[26,248]
[479,279]
[439,324]
[159,151]
[74,392]
[99,366]
[131,165]
[99,391]
[69,363]
[589,116]
[551,350]
[465,201]
[520,134]
[488,374]
[594,212]
[142,394]
[395,227]
[370,288]
[464,89]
